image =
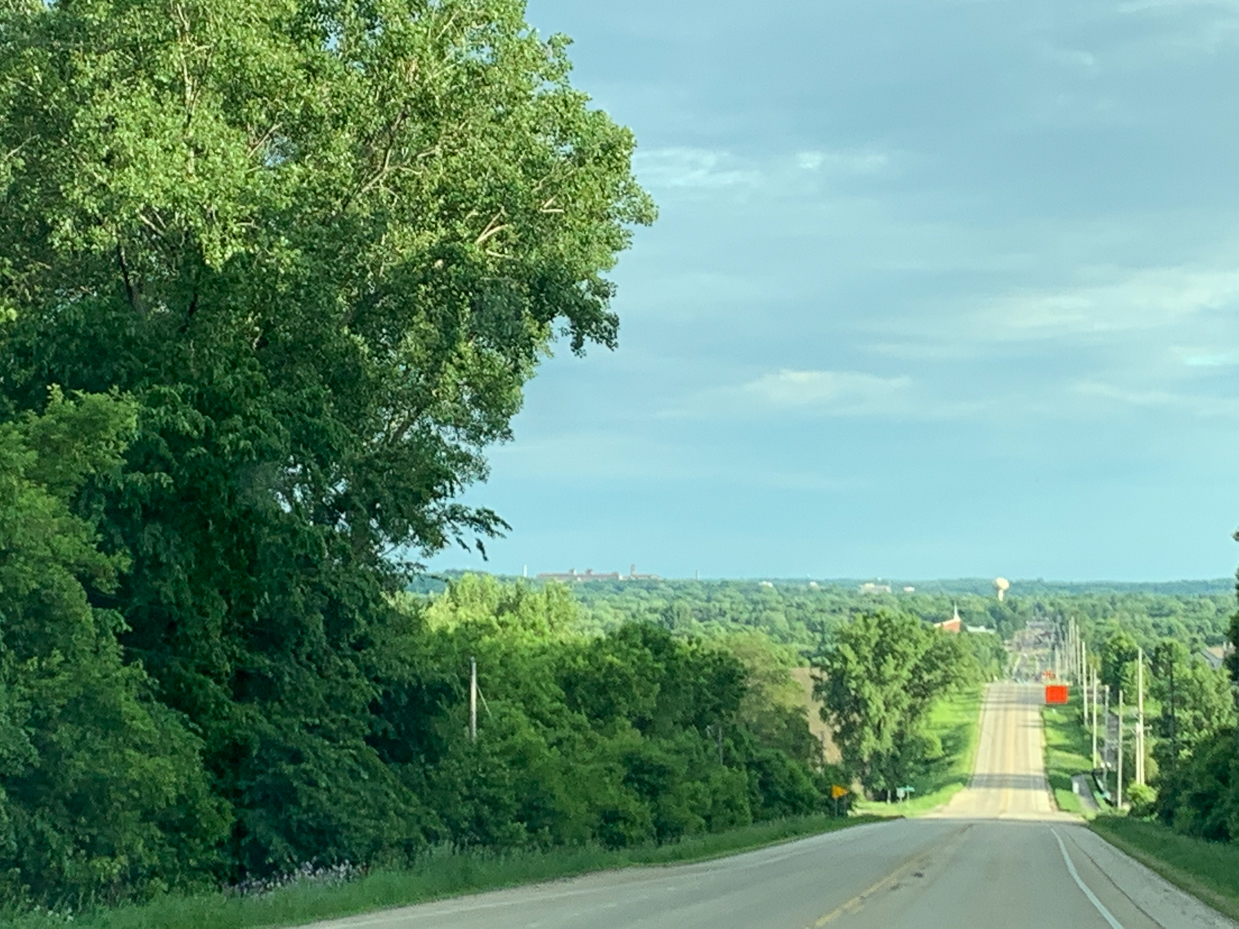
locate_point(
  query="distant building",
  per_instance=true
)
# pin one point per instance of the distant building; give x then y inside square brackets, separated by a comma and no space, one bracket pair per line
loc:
[1215,655]
[954,624]
[765,584]
[572,577]
[980,629]
[909,590]
[870,588]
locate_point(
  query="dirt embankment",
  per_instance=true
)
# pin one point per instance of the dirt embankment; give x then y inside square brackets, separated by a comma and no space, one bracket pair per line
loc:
[803,677]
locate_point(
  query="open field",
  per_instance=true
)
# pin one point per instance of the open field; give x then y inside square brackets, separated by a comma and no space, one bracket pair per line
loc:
[435,877]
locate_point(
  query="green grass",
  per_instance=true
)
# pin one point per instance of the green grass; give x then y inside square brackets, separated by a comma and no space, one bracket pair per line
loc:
[434,877]
[956,720]
[1208,871]
[1068,747]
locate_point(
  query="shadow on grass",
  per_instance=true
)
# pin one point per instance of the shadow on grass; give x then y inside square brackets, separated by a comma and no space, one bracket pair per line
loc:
[435,876]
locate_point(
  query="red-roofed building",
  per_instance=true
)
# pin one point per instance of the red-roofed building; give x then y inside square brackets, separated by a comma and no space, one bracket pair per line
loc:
[954,624]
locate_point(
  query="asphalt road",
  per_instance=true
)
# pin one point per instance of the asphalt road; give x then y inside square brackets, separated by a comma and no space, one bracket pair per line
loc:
[997,857]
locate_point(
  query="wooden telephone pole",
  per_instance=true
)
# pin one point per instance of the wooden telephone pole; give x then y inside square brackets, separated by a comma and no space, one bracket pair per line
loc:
[473,700]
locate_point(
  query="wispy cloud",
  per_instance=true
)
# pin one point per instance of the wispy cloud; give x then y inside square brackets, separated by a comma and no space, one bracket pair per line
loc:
[694,167]
[840,393]
[1197,405]
[844,162]
[1187,26]
[1075,58]
[801,393]
[1199,359]
[700,168]
[1145,299]
[593,455]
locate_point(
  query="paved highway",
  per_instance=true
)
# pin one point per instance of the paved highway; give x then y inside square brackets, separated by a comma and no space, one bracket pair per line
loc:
[997,857]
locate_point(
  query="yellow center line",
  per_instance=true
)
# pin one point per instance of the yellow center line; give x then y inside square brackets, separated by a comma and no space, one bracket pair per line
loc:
[915,862]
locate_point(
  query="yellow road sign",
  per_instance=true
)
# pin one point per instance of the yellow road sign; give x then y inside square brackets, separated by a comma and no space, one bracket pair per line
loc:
[836,791]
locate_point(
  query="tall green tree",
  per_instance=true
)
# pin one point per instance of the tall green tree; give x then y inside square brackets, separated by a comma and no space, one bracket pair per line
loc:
[877,680]
[322,244]
[1195,702]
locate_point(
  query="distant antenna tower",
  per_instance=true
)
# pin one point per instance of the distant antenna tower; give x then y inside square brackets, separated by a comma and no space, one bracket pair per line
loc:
[1001,586]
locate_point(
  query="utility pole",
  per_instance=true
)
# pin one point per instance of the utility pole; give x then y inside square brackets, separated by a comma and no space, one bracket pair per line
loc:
[1140,716]
[473,700]
[1105,742]
[1083,658]
[1118,789]
[1095,764]
[1084,691]
[1075,652]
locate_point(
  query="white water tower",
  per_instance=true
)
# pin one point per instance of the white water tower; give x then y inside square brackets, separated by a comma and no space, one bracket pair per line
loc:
[1001,586]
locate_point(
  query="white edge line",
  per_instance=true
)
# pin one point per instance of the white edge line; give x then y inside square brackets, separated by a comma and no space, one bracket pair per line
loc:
[1075,876]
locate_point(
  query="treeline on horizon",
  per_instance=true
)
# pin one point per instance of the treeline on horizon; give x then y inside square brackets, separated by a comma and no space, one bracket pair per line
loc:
[798,615]
[1224,586]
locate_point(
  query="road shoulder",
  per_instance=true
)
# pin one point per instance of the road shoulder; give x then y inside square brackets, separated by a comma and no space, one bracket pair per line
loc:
[1161,900]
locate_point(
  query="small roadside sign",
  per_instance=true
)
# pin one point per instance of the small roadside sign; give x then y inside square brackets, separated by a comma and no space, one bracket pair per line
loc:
[1055,693]
[836,791]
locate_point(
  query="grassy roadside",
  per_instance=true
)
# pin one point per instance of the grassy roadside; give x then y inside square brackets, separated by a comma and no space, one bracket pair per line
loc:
[1068,748]
[1208,871]
[435,877]
[956,720]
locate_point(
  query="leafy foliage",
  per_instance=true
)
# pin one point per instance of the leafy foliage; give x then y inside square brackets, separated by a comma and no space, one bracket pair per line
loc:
[879,678]
[101,787]
[1195,755]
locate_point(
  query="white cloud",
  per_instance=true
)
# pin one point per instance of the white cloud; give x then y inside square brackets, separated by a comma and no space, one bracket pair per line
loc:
[844,162]
[1206,359]
[790,392]
[693,167]
[841,393]
[708,169]
[1140,300]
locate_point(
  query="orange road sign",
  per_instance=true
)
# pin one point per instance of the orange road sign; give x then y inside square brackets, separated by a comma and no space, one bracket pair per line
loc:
[836,791]
[1055,693]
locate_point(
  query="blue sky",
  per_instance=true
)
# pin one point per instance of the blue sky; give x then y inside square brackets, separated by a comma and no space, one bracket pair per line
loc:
[939,288]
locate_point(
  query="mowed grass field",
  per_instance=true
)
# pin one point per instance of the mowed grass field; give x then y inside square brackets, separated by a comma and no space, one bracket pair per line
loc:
[1208,871]
[956,721]
[436,876]
[1068,748]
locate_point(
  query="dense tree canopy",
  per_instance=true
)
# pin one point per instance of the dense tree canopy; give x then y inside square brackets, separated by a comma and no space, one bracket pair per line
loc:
[318,247]
[101,787]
